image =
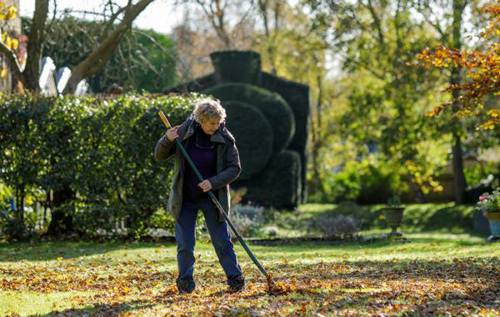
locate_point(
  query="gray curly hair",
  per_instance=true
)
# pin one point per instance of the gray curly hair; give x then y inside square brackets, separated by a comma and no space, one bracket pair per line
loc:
[207,109]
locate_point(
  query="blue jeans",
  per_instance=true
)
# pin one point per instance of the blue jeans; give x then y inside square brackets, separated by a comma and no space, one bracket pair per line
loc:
[185,237]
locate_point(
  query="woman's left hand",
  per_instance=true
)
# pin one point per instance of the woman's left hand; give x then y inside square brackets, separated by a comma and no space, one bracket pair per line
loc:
[206,186]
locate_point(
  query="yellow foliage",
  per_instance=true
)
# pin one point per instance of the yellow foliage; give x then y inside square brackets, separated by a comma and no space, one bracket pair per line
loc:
[488,125]
[14,43]
[494,113]
[11,12]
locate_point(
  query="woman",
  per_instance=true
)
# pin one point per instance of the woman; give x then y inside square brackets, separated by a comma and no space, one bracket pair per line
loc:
[213,150]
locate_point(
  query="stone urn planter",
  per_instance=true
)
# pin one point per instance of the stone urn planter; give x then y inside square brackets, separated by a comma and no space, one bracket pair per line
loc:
[394,218]
[494,220]
[489,204]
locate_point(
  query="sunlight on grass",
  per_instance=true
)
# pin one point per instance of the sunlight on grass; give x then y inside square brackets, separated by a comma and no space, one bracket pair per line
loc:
[139,278]
[419,246]
[29,303]
[364,290]
[316,208]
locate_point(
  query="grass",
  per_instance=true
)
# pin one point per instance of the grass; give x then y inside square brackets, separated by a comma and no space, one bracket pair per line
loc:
[445,217]
[433,272]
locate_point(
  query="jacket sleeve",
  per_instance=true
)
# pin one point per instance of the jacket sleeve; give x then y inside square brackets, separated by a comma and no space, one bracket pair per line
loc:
[231,170]
[164,149]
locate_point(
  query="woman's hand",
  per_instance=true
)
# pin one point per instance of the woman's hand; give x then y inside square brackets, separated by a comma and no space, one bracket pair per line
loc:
[206,186]
[172,133]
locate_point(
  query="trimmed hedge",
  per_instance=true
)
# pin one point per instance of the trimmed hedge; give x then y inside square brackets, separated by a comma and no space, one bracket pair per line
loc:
[278,185]
[236,66]
[99,149]
[254,136]
[272,105]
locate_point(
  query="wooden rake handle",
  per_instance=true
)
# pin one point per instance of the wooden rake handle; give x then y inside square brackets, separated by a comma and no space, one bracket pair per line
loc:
[164,119]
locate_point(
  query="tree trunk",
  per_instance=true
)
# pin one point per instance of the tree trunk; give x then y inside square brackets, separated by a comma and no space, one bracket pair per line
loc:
[62,219]
[20,196]
[263,7]
[317,144]
[458,170]
[36,38]
[455,78]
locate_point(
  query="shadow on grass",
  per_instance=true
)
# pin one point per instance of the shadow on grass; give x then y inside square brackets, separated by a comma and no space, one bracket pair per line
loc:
[412,242]
[112,309]
[45,251]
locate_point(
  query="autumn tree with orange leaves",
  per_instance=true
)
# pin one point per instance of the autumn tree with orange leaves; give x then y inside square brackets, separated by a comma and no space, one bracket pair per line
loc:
[481,73]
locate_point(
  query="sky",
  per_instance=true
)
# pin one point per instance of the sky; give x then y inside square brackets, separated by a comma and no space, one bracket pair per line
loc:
[159,15]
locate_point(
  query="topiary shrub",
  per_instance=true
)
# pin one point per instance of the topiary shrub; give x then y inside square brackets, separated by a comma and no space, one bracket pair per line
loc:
[236,66]
[254,137]
[278,185]
[272,105]
[297,97]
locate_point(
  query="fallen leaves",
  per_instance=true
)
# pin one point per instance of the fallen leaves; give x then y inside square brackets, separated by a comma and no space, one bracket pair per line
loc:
[135,288]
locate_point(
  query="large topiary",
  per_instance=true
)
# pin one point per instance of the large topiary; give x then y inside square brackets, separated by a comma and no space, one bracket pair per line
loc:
[272,105]
[254,136]
[237,76]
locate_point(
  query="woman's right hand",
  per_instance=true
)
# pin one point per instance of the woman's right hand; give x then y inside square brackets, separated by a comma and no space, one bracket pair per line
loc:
[172,133]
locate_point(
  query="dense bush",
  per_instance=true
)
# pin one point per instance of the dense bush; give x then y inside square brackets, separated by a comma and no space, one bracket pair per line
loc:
[364,182]
[94,153]
[474,174]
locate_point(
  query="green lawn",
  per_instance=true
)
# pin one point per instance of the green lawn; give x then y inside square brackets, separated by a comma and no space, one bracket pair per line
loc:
[433,273]
[444,217]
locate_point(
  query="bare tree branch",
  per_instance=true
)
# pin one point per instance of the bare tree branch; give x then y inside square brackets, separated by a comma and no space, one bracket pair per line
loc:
[96,60]
[216,18]
[377,23]
[12,58]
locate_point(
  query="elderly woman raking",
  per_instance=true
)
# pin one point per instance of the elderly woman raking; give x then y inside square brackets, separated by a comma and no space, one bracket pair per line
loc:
[213,150]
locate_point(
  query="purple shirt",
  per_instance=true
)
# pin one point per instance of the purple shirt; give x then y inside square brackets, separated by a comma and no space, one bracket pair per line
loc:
[203,153]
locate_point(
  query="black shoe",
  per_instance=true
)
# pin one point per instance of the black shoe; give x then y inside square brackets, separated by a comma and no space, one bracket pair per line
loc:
[236,283]
[185,285]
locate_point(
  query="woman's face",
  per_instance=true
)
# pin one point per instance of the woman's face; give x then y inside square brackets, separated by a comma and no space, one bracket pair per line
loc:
[209,126]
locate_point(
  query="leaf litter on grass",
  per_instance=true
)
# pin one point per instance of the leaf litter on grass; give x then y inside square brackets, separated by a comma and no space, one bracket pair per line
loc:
[462,286]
